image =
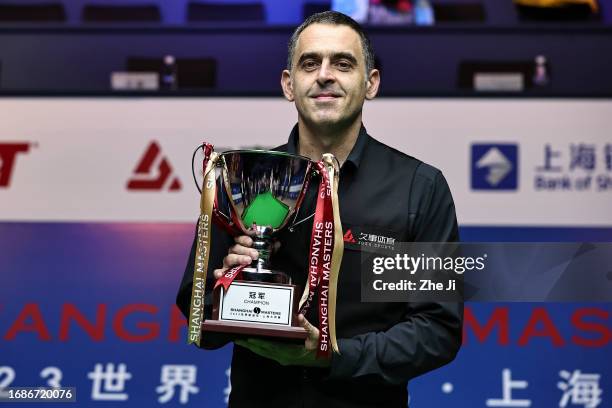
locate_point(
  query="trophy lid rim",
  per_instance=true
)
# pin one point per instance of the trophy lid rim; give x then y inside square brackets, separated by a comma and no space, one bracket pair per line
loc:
[260,151]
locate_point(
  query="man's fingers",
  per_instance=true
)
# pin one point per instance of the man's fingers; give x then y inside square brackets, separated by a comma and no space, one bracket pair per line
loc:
[239,249]
[243,247]
[239,254]
[313,333]
[244,240]
[233,260]
[305,324]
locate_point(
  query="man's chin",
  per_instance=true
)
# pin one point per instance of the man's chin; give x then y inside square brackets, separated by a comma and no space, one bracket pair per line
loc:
[326,122]
[326,118]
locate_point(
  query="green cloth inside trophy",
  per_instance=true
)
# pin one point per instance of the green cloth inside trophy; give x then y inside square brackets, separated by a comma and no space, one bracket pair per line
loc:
[265,210]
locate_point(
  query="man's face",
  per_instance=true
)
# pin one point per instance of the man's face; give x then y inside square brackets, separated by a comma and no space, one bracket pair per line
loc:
[328,79]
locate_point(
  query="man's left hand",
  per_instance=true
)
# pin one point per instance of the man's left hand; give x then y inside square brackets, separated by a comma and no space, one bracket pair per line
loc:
[289,354]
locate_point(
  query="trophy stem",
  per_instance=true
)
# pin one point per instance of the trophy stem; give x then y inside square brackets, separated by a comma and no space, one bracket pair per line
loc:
[263,245]
[260,269]
[262,242]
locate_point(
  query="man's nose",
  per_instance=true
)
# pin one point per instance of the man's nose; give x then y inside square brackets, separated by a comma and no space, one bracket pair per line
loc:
[326,74]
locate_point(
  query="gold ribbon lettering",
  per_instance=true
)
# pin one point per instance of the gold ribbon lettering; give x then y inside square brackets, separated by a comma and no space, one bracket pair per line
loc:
[196,309]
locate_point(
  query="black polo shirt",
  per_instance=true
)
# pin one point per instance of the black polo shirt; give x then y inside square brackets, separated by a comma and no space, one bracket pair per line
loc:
[384,195]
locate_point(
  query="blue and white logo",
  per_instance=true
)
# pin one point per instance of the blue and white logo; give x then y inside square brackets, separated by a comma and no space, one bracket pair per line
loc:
[494,166]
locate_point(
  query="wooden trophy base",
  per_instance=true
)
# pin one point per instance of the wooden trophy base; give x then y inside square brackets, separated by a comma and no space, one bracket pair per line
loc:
[243,308]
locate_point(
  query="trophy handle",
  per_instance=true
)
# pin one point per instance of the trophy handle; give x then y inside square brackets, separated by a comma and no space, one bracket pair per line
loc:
[224,221]
[193,173]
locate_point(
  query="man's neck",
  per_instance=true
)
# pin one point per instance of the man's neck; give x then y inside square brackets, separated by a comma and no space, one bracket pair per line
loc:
[313,142]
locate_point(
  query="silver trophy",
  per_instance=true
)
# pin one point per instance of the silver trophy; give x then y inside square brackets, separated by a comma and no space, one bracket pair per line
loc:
[259,193]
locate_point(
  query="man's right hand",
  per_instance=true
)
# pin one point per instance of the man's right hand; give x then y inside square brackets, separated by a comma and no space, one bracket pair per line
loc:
[239,254]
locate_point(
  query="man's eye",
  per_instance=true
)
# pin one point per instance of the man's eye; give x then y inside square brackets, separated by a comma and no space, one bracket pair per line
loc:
[309,65]
[344,65]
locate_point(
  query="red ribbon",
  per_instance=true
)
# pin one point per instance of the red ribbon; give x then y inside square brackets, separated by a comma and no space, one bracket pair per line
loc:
[207,149]
[320,256]
[227,279]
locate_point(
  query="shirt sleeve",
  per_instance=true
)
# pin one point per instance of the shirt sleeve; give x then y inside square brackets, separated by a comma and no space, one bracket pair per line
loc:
[219,245]
[430,334]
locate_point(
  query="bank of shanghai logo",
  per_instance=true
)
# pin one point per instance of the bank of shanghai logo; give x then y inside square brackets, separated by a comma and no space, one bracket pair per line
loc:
[494,166]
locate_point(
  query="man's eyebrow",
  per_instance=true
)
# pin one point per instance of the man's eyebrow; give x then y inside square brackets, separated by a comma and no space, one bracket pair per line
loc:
[344,55]
[308,55]
[335,56]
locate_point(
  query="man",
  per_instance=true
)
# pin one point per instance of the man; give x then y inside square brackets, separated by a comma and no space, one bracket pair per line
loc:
[330,72]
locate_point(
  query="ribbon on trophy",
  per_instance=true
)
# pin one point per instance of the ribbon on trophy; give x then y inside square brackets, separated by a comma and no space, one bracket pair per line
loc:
[325,257]
[229,276]
[196,308]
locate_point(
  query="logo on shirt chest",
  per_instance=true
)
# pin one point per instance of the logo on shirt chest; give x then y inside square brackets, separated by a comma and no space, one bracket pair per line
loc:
[356,237]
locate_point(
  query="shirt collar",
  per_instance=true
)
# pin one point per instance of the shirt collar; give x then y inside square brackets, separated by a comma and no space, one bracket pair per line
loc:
[354,156]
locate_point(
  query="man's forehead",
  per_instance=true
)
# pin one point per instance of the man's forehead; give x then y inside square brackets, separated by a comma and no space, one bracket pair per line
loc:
[329,39]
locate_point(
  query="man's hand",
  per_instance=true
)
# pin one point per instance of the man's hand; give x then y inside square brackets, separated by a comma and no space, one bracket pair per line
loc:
[289,354]
[286,354]
[239,254]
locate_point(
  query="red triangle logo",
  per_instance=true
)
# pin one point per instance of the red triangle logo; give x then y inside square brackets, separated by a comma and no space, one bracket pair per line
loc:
[348,237]
[154,172]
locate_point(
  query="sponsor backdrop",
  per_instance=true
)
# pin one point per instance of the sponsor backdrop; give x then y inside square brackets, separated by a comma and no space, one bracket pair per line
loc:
[98,208]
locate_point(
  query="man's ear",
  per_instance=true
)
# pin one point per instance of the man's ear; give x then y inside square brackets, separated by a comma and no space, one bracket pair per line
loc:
[372,84]
[287,85]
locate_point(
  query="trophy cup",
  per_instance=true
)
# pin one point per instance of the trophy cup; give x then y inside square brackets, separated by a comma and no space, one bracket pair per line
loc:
[258,193]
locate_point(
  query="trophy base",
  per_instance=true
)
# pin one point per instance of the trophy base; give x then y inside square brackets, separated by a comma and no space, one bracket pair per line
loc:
[256,308]
[254,329]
